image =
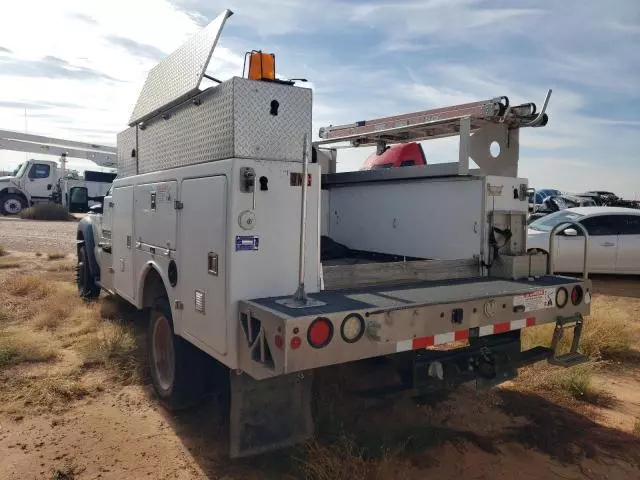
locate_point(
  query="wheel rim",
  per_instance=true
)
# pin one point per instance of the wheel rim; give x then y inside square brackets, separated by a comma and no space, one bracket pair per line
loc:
[163,353]
[12,206]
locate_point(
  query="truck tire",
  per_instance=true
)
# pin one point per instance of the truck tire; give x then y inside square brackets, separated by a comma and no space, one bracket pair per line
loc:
[12,204]
[178,369]
[87,287]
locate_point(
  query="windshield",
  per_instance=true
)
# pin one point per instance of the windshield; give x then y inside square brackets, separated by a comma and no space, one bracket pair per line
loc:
[20,170]
[545,224]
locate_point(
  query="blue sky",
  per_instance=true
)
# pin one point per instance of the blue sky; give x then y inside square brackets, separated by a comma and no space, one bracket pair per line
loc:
[78,66]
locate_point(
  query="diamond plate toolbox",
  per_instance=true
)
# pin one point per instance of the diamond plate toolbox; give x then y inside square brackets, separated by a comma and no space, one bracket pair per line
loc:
[127,152]
[239,118]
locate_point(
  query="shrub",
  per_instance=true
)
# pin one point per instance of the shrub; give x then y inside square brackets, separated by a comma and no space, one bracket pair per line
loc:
[113,347]
[16,349]
[33,287]
[46,211]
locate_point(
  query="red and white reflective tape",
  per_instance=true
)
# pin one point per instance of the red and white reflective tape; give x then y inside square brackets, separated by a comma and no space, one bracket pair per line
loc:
[459,335]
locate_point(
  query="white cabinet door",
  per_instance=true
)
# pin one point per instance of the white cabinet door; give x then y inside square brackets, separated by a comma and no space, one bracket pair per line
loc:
[628,259]
[122,241]
[202,272]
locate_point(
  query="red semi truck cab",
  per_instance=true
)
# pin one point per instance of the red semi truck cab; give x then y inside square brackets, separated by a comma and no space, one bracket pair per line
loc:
[400,155]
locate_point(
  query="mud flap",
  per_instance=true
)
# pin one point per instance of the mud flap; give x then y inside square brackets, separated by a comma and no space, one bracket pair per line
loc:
[269,414]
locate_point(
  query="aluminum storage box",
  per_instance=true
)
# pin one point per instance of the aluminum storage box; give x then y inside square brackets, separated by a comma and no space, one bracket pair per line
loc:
[239,118]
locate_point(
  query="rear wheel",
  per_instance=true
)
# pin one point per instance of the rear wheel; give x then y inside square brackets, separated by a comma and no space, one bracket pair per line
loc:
[12,204]
[87,287]
[178,369]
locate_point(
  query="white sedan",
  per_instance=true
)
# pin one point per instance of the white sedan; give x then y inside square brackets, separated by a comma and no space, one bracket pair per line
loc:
[614,239]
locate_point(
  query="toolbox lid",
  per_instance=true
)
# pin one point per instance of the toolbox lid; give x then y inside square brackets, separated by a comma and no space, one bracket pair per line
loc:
[179,75]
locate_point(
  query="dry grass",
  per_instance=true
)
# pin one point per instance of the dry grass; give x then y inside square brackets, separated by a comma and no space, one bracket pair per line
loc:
[4,265]
[43,392]
[43,320]
[578,382]
[32,287]
[62,267]
[607,332]
[636,427]
[559,383]
[52,318]
[15,347]
[53,314]
[46,211]
[5,316]
[65,473]
[113,347]
[343,459]
[110,308]
[56,255]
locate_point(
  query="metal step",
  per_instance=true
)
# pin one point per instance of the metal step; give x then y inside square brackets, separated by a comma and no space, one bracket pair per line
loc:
[570,359]
[573,357]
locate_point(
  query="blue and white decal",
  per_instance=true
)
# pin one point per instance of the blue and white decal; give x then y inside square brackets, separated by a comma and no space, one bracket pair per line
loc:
[246,242]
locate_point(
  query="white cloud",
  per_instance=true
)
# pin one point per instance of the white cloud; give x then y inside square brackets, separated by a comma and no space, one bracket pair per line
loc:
[363,59]
[92,37]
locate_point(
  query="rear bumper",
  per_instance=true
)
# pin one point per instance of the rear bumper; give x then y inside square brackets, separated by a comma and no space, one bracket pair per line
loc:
[273,339]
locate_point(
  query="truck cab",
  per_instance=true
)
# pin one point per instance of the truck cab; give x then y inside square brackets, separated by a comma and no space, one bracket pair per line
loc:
[33,182]
[47,181]
[401,155]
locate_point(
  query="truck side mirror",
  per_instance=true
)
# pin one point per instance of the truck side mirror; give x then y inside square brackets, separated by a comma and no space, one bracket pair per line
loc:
[78,200]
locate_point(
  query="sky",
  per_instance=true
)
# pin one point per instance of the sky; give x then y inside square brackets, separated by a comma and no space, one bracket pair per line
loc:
[73,69]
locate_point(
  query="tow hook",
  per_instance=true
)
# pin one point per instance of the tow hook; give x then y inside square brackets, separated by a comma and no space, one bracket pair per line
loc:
[484,364]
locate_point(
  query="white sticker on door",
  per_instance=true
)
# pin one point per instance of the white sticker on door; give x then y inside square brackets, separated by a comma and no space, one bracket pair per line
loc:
[538,300]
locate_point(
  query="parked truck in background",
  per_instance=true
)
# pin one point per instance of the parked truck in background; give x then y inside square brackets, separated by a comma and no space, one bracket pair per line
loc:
[258,263]
[47,181]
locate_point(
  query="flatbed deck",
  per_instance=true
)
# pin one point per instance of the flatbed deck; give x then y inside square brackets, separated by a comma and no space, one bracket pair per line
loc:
[418,294]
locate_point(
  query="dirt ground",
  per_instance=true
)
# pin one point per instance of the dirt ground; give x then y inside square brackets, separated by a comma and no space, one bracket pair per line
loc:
[37,236]
[92,424]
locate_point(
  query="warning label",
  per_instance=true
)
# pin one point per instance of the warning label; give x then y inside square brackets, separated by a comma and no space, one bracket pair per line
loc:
[538,300]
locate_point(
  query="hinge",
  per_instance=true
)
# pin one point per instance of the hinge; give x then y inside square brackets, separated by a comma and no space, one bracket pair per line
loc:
[178,205]
[178,305]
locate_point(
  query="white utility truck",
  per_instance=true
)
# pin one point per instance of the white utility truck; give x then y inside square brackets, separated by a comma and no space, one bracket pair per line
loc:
[259,263]
[42,181]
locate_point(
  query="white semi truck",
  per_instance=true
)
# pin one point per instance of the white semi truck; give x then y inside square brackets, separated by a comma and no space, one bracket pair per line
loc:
[44,181]
[258,263]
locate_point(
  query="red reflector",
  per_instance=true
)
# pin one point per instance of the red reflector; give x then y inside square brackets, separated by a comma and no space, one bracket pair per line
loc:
[576,295]
[279,341]
[295,342]
[531,321]
[501,327]
[461,335]
[423,342]
[320,332]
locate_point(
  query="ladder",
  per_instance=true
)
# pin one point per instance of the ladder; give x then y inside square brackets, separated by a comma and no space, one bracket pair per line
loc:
[435,123]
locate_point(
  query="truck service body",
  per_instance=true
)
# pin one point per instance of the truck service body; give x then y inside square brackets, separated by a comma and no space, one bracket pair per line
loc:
[258,261]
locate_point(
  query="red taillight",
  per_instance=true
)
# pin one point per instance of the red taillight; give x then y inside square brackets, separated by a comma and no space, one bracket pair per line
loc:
[320,332]
[295,342]
[576,295]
